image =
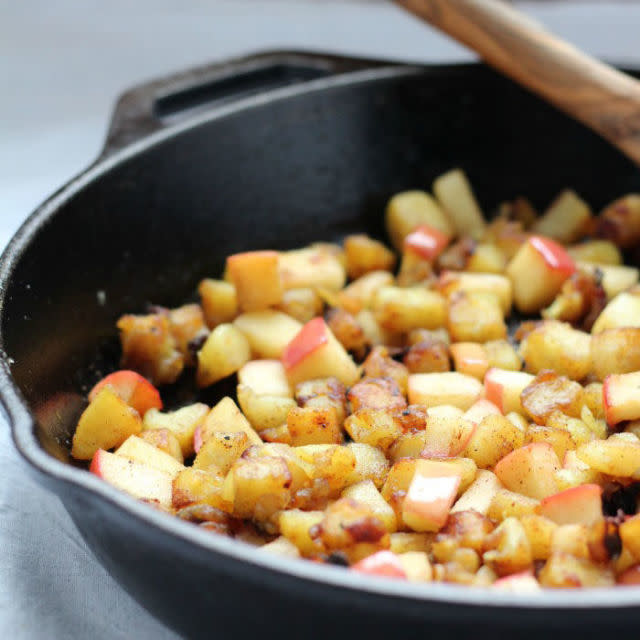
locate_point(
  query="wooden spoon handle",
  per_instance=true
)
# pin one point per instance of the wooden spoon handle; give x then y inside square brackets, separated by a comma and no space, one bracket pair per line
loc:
[604,99]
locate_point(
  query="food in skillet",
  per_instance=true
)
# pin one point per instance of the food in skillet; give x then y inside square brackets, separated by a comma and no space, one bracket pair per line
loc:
[393,424]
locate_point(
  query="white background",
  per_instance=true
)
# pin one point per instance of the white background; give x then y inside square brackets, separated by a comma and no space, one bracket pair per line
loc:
[62,64]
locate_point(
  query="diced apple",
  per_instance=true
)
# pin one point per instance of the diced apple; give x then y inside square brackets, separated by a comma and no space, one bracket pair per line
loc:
[431,494]
[450,387]
[137,450]
[578,505]
[315,353]
[219,301]
[265,377]
[621,397]
[456,197]
[503,388]
[522,582]
[470,358]
[182,422]
[382,563]
[480,410]
[224,417]
[256,277]
[566,220]
[224,352]
[537,273]
[615,278]
[135,390]
[165,440]
[139,480]
[220,451]
[451,282]
[480,494]
[107,422]
[411,209]
[622,311]
[314,266]
[598,252]
[530,470]
[426,242]
[268,332]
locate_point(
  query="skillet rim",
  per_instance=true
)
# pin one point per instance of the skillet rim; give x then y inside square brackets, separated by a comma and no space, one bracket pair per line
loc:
[22,422]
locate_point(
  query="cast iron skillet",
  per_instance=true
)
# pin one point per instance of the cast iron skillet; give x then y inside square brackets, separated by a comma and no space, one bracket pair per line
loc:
[178,188]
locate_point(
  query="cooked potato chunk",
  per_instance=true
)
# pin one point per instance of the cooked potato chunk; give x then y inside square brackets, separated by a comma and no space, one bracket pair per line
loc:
[456,197]
[566,220]
[475,317]
[364,254]
[400,309]
[224,352]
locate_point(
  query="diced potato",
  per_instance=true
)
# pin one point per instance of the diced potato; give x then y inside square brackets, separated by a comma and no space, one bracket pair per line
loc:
[479,495]
[314,266]
[416,566]
[370,464]
[559,347]
[410,209]
[264,411]
[539,531]
[268,332]
[256,277]
[379,364]
[346,330]
[365,492]
[630,535]
[148,347]
[223,418]
[399,309]
[563,570]
[620,221]
[493,439]
[455,196]
[615,278]
[508,547]
[487,258]
[295,524]
[329,462]
[376,393]
[592,397]
[507,504]
[323,392]
[475,317]
[182,422]
[560,440]
[186,324]
[596,251]
[403,542]
[502,354]
[314,425]
[617,456]
[433,389]
[195,486]
[107,422]
[364,254]
[374,333]
[165,440]
[224,352]
[550,392]
[137,450]
[302,304]
[361,292]
[498,285]
[220,451]
[566,220]
[616,351]
[622,311]
[219,301]
[530,470]
[375,427]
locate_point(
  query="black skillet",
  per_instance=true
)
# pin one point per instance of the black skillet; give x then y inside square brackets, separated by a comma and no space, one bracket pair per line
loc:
[181,184]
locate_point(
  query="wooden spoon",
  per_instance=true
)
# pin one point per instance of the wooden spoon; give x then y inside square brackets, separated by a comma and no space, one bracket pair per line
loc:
[606,100]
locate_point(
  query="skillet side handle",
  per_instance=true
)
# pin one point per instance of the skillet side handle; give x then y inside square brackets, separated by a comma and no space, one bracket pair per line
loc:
[155,105]
[602,98]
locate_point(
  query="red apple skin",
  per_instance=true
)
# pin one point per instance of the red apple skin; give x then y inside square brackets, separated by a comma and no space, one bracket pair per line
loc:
[493,391]
[481,409]
[432,497]
[426,242]
[577,505]
[616,387]
[554,254]
[381,563]
[197,439]
[135,390]
[462,445]
[311,337]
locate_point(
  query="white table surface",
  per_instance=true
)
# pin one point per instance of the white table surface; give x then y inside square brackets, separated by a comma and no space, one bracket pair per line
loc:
[62,64]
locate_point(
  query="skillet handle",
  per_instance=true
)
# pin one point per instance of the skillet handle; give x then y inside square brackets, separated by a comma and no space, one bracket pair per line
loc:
[160,103]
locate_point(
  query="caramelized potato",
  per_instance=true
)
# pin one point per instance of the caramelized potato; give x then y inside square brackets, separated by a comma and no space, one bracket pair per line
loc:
[475,317]
[550,392]
[364,254]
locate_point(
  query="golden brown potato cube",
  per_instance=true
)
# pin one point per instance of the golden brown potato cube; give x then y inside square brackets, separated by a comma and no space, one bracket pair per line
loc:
[566,220]
[493,438]
[219,301]
[616,351]
[596,251]
[454,193]
[223,418]
[256,277]
[182,422]
[373,426]
[148,347]
[314,425]
[563,570]
[364,254]
[559,439]
[428,356]
[295,524]
[592,398]
[414,270]
[620,221]
[539,531]
[489,283]
[264,411]
[614,278]
[559,347]
[379,364]
[400,309]
[303,304]
[475,317]
[360,293]
[619,455]
[224,352]
[571,539]
[220,451]
[187,326]
[518,210]
[410,209]
[332,463]
[507,235]
[195,486]
[346,330]
[550,392]
[323,392]
[502,354]
[506,504]
[376,393]
[277,435]
[487,258]
[622,311]
[468,528]
[456,257]
[165,440]
[370,464]
[320,265]
[366,493]
[261,486]
[375,334]
[404,542]
[508,549]
[630,535]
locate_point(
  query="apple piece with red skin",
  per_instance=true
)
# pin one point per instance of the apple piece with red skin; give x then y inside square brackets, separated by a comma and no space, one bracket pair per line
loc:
[426,242]
[138,450]
[537,273]
[256,277]
[481,409]
[620,397]
[522,582]
[503,388]
[381,563]
[449,387]
[530,470]
[135,390]
[431,494]
[577,505]
[315,353]
[139,480]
